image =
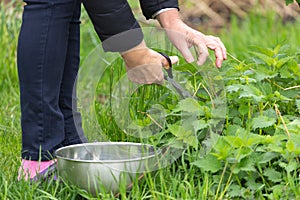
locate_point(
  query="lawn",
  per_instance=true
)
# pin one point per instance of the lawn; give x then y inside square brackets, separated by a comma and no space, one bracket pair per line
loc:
[240,138]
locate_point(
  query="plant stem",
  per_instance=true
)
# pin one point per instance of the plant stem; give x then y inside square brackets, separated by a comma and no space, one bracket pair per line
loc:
[283,122]
[221,180]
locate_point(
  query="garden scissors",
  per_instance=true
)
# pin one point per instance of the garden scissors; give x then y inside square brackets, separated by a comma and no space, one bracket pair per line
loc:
[169,77]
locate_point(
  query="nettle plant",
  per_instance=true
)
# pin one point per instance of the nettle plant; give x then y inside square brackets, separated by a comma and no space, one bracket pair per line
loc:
[258,151]
[241,128]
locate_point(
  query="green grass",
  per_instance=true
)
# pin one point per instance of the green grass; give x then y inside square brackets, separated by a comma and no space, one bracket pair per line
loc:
[181,180]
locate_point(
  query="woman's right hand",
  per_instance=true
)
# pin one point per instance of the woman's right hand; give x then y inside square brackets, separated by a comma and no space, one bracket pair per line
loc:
[144,66]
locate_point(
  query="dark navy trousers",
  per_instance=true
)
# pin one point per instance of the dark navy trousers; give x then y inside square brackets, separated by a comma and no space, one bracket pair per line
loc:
[48,62]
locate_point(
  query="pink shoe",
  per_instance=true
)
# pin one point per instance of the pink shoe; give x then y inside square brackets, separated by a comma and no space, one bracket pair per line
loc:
[35,169]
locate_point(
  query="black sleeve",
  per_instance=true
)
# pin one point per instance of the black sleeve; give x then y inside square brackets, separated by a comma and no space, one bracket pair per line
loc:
[150,7]
[114,23]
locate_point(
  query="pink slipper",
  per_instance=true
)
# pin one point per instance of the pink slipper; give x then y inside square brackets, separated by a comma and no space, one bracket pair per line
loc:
[34,170]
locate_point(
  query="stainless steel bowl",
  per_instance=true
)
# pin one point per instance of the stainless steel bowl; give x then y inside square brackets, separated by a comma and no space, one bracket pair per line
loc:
[104,165]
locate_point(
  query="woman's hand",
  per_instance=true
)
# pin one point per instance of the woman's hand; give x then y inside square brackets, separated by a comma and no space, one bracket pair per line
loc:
[144,66]
[184,37]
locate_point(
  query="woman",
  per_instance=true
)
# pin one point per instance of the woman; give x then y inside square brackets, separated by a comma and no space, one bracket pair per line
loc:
[48,61]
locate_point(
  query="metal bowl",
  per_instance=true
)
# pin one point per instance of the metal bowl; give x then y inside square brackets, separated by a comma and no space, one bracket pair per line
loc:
[104,165]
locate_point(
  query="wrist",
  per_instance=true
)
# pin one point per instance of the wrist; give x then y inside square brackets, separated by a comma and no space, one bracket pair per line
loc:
[130,56]
[140,46]
[169,18]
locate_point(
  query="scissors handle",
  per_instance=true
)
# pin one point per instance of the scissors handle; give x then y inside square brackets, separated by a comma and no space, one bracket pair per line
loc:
[168,68]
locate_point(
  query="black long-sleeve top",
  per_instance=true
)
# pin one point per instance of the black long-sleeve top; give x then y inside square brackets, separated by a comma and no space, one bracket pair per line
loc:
[115,23]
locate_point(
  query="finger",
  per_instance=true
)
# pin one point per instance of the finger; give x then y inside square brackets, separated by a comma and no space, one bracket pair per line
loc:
[186,53]
[223,48]
[219,56]
[203,54]
[214,43]
[165,62]
[174,59]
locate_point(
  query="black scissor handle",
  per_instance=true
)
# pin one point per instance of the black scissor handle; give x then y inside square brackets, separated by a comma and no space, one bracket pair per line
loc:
[169,68]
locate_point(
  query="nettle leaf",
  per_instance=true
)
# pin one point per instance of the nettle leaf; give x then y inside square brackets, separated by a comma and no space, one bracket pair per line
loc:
[235,191]
[234,141]
[244,139]
[265,88]
[273,175]
[269,60]
[211,141]
[279,96]
[282,61]
[187,136]
[291,166]
[250,91]
[265,51]
[262,122]
[285,72]
[190,105]
[293,126]
[234,88]
[243,109]
[266,157]
[200,124]
[293,144]
[188,67]
[223,149]
[246,79]
[270,113]
[294,67]
[209,164]
[264,73]
[290,146]
[246,164]
[234,129]
[290,70]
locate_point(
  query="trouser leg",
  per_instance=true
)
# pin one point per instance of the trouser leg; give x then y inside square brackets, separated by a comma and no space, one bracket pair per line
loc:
[42,50]
[67,98]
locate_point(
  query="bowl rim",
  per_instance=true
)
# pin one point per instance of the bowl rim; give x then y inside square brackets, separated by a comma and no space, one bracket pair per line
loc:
[155,152]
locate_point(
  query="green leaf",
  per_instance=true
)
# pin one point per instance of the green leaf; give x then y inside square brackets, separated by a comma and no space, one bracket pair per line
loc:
[279,96]
[209,164]
[222,148]
[234,141]
[266,157]
[276,49]
[290,146]
[266,58]
[246,164]
[190,105]
[270,113]
[250,91]
[187,136]
[233,129]
[235,190]
[243,109]
[199,125]
[234,88]
[265,51]
[272,175]
[292,166]
[282,62]
[188,67]
[262,122]
[264,73]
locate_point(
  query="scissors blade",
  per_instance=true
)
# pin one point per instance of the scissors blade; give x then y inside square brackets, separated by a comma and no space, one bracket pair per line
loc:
[182,92]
